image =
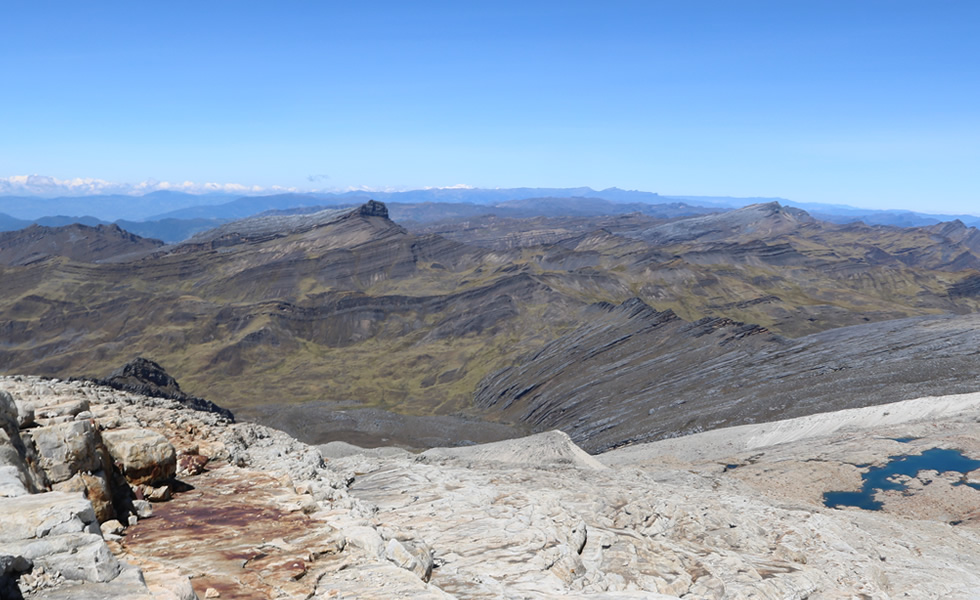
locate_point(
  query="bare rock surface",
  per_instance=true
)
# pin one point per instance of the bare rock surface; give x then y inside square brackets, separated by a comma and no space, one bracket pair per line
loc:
[253,513]
[727,514]
[550,448]
[717,444]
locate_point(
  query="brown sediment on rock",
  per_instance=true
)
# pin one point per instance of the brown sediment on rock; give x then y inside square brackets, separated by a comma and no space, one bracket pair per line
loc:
[220,532]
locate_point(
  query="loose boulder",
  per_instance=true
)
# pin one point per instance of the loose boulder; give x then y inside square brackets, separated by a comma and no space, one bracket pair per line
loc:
[144,456]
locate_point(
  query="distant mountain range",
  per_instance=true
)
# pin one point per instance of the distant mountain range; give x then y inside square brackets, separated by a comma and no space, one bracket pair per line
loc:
[107,207]
[175,216]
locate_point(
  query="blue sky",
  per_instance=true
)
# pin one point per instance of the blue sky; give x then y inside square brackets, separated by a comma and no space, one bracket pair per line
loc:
[869,103]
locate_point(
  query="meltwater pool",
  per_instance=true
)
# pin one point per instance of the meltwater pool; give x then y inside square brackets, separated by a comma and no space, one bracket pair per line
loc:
[878,478]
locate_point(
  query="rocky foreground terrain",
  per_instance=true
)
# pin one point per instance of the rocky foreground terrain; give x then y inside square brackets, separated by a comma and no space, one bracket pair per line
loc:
[109,494]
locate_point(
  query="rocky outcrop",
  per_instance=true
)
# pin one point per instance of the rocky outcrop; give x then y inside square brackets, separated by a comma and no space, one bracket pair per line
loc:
[69,469]
[17,477]
[373,208]
[65,449]
[143,456]
[143,376]
[253,513]
[59,532]
[542,450]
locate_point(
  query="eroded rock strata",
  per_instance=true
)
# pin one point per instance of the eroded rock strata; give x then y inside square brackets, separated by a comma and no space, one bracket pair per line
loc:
[110,494]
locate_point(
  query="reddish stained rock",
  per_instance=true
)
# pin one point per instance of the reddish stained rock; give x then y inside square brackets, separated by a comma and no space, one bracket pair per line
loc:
[144,456]
[191,464]
[231,532]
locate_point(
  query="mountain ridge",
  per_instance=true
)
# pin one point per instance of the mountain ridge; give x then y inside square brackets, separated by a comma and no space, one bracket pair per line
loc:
[349,308]
[76,241]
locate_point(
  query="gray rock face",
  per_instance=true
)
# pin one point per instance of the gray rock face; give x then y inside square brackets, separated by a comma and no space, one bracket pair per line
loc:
[16,477]
[25,413]
[59,532]
[38,515]
[66,449]
[78,556]
[8,415]
[95,486]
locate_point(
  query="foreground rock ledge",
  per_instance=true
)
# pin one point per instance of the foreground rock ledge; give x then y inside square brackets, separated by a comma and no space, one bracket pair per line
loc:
[207,508]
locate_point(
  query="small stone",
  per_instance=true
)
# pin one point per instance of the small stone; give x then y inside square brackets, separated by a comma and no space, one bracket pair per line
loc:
[191,464]
[25,413]
[212,593]
[113,526]
[70,408]
[143,508]
[160,494]
[334,544]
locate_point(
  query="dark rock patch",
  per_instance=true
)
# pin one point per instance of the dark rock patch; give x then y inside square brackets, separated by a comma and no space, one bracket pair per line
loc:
[143,376]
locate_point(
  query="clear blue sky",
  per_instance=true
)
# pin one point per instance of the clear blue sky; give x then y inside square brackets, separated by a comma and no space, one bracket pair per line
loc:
[864,102]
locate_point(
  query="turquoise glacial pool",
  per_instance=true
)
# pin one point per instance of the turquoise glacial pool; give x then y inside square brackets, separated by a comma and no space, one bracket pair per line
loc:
[878,478]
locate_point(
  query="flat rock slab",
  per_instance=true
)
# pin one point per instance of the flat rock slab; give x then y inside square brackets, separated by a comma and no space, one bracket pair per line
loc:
[549,448]
[240,532]
[38,515]
[703,531]
[377,582]
[127,586]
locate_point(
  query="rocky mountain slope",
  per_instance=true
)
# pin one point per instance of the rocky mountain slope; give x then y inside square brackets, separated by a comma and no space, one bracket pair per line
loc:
[347,310]
[77,242]
[635,374]
[150,499]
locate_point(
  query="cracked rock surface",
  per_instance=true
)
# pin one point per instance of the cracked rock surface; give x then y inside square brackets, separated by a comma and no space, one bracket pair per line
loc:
[199,507]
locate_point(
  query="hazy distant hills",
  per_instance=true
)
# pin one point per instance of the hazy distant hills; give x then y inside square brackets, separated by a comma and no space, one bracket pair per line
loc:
[105,207]
[252,205]
[175,216]
[514,317]
[168,230]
